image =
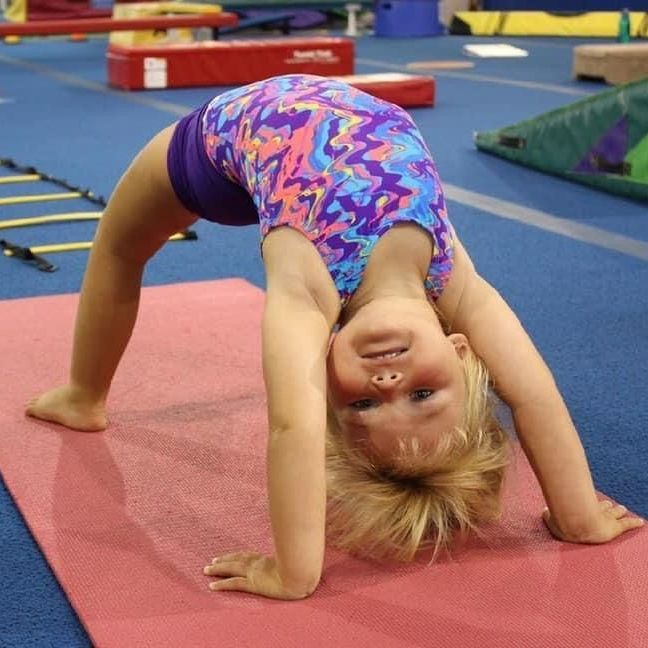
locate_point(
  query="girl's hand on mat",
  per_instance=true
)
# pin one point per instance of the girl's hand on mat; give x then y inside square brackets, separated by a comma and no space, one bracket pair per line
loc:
[250,572]
[609,523]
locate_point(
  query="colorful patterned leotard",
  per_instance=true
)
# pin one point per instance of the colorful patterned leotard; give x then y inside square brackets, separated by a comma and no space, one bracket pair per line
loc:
[335,163]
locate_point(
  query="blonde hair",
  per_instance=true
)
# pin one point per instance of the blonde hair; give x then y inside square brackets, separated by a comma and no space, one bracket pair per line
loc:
[392,511]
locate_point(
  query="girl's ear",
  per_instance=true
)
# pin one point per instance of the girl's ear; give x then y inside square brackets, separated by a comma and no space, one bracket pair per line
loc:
[460,343]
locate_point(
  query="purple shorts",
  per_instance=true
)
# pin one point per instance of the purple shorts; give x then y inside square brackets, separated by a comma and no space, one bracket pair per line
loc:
[198,185]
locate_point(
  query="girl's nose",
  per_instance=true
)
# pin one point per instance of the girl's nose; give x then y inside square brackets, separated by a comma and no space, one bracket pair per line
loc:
[386,379]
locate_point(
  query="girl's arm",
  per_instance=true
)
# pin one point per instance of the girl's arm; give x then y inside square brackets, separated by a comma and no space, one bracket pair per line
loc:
[523,380]
[295,342]
[302,306]
[543,424]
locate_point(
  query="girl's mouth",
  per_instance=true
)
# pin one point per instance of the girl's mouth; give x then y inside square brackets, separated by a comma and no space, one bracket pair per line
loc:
[385,354]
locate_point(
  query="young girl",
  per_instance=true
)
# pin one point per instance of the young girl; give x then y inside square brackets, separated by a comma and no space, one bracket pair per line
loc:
[356,243]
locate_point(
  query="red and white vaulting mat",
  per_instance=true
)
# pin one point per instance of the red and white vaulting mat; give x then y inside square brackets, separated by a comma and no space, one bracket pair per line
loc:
[128,517]
[232,62]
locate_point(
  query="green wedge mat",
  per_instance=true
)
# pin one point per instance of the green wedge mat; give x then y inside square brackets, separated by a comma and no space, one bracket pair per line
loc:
[601,141]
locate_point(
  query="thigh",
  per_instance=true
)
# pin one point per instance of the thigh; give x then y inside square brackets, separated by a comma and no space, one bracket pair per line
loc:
[143,210]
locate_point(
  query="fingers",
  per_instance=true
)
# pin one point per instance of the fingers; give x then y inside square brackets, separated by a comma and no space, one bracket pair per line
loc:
[615,510]
[233,564]
[619,512]
[631,523]
[234,571]
[230,584]
[232,568]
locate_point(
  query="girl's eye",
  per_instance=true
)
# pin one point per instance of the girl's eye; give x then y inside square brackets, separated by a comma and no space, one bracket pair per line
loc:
[421,394]
[363,404]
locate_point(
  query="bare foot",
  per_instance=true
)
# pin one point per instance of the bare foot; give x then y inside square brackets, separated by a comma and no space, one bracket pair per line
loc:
[63,405]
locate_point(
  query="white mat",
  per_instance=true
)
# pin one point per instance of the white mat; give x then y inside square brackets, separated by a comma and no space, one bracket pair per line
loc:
[495,51]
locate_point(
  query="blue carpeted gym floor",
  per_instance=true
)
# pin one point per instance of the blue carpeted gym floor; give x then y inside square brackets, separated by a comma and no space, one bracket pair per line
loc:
[585,305]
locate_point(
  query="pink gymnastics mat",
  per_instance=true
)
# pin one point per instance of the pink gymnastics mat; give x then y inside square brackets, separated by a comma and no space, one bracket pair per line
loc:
[127,518]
